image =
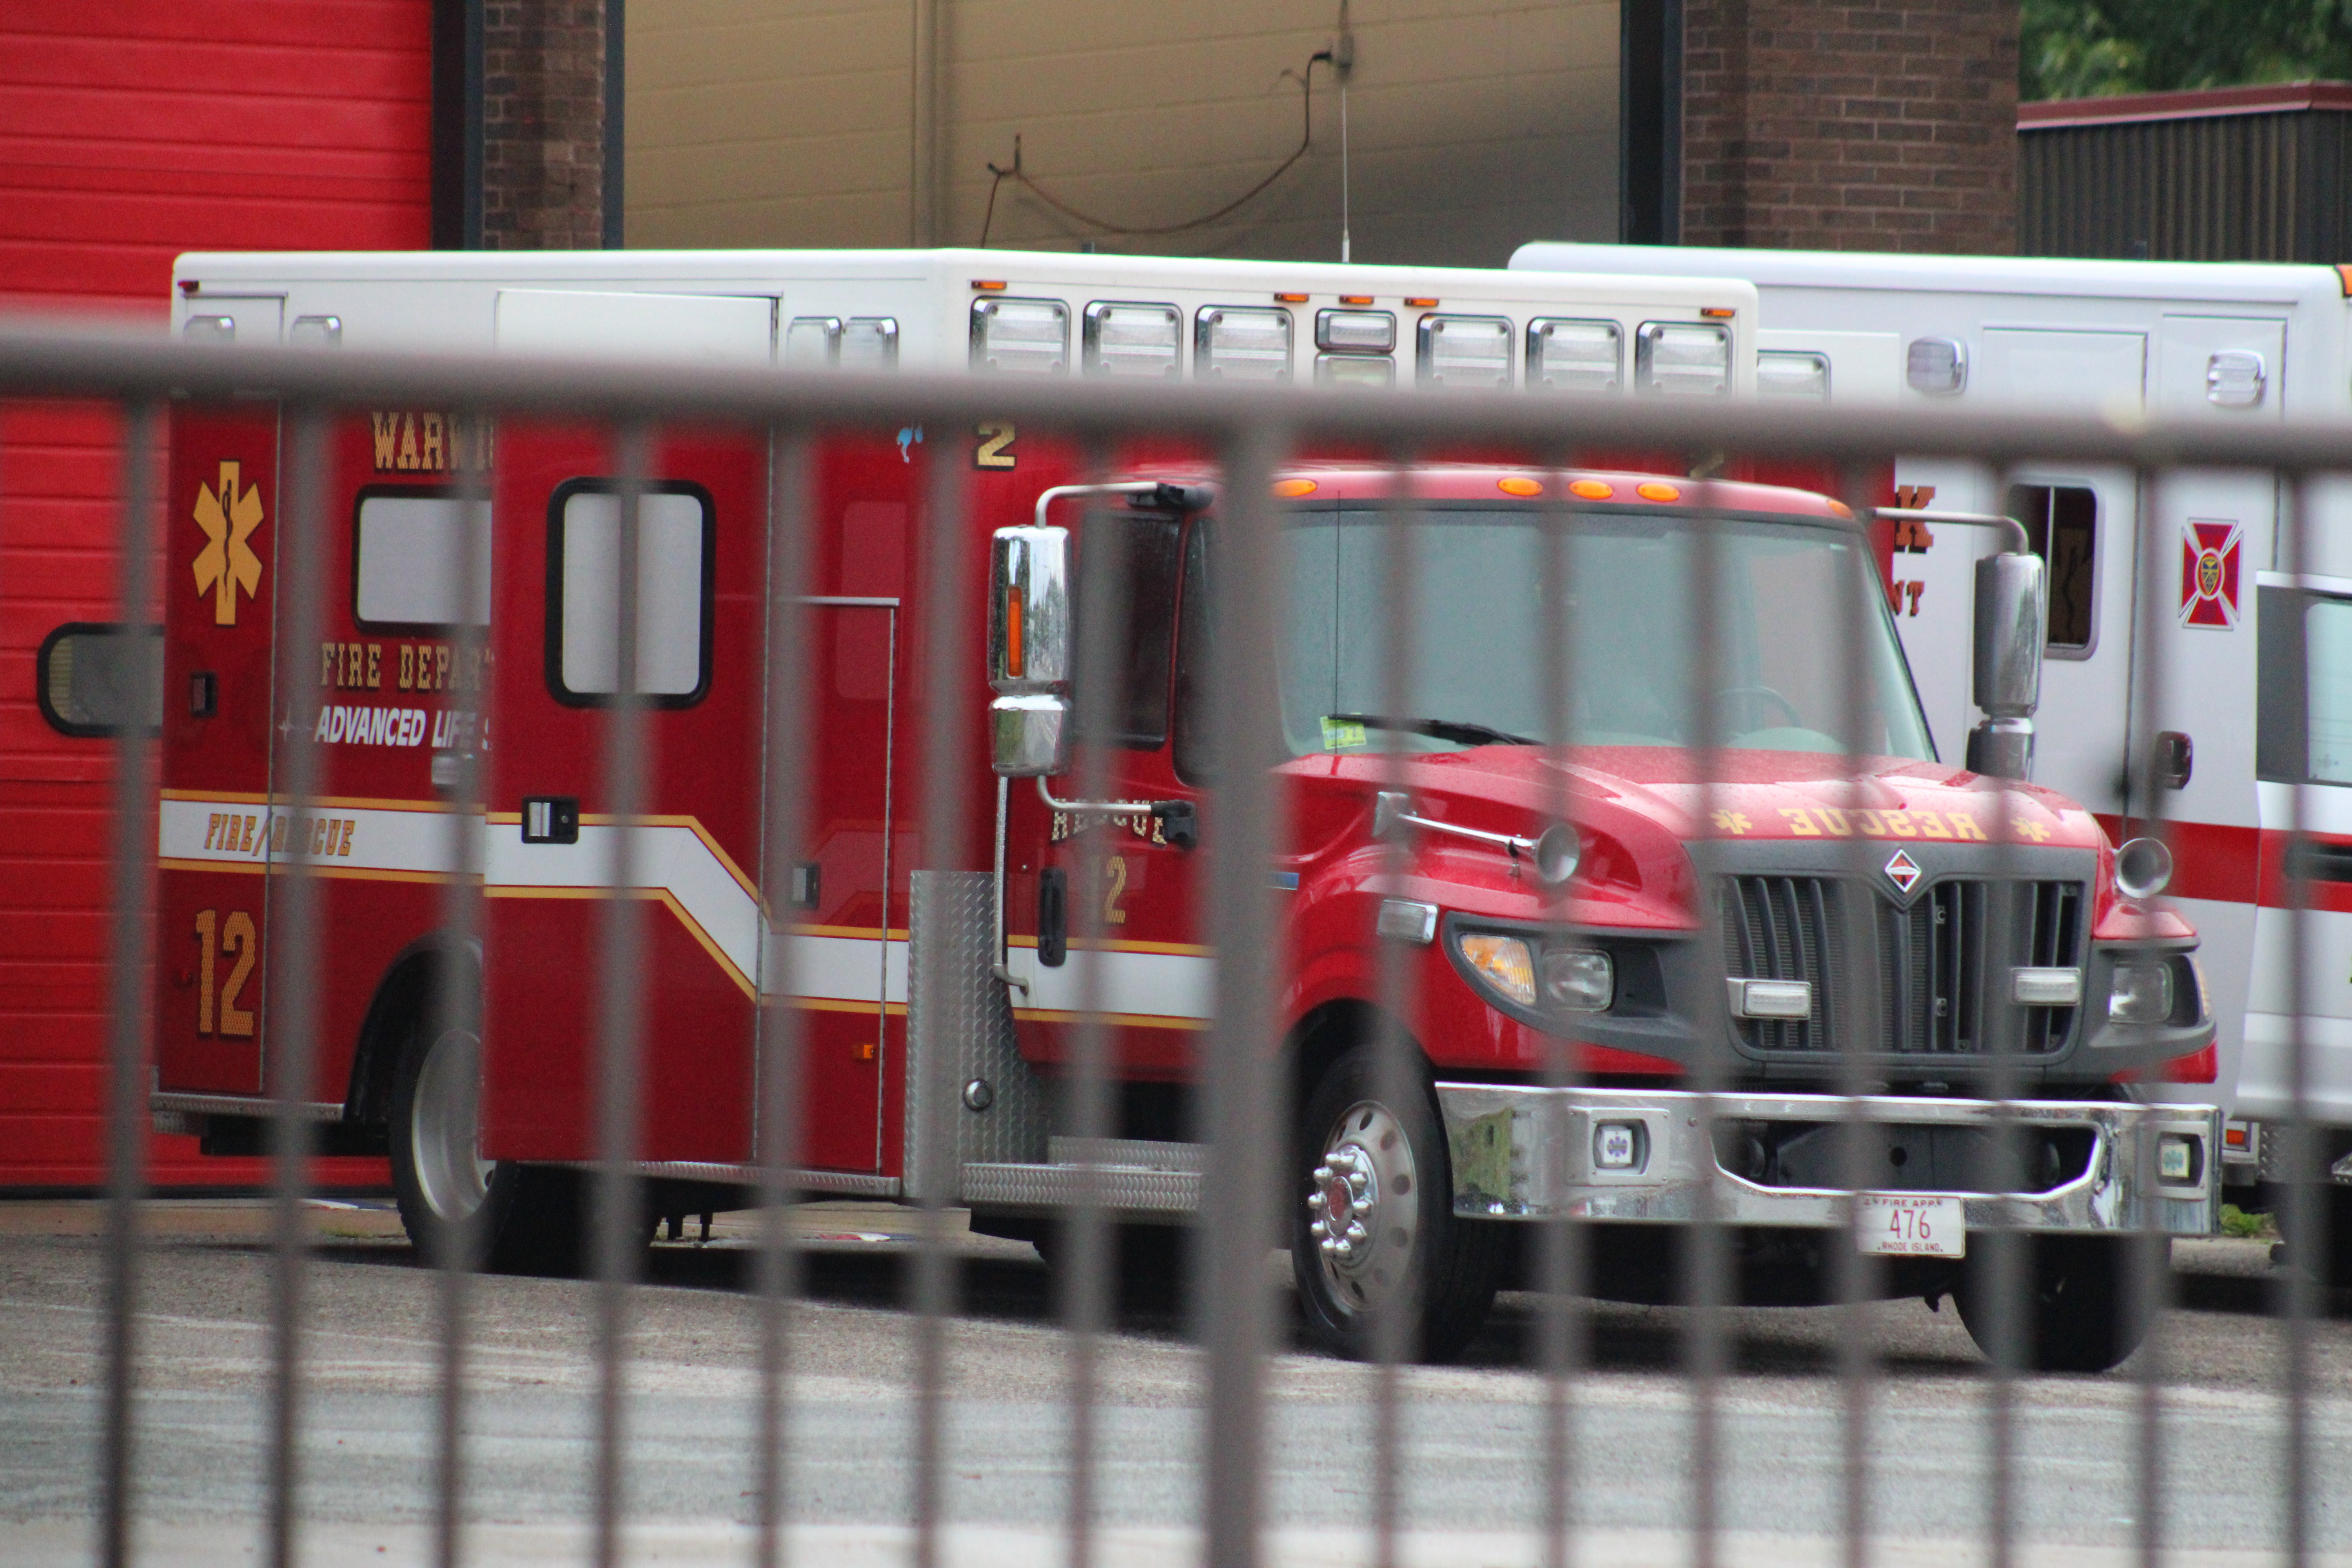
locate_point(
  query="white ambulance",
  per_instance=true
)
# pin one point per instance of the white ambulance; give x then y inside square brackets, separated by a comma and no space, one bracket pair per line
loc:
[2256,666]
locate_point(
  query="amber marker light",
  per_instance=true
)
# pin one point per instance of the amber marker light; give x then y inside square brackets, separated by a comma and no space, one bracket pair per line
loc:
[1354,299]
[987,283]
[1592,489]
[1294,487]
[1422,304]
[1291,299]
[1517,485]
[1717,312]
[1655,491]
[1841,509]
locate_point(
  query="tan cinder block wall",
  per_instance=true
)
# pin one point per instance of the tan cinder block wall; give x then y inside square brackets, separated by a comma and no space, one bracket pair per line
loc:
[1474,125]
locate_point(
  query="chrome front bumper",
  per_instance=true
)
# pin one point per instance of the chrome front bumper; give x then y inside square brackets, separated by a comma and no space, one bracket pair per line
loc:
[1525,1153]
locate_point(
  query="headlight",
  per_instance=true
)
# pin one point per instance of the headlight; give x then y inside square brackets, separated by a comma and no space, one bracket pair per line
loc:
[1579,979]
[1503,962]
[2141,991]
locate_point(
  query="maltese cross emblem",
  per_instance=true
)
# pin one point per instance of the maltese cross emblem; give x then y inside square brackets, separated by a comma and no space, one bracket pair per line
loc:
[1903,872]
[228,562]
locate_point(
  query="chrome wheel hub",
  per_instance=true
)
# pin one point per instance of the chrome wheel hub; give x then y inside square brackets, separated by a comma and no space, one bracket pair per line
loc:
[1361,1211]
[445,1129]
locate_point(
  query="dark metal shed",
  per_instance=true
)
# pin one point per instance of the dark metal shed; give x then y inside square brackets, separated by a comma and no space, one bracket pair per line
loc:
[2237,174]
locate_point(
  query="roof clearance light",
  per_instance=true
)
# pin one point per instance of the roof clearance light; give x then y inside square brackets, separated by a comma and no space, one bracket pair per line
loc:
[1355,369]
[1288,488]
[1020,337]
[1354,299]
[870,342]
[1592,489]
[1355,332]
[1126,339]
[1839,509]
[813,342]
[1575,356]
[1683,359]
[1517,485]
[987,283]
[1802,376]
[1414,304]
[1717,312]
[1459,351]
[1232,343]
[1656,492]
[1291,299]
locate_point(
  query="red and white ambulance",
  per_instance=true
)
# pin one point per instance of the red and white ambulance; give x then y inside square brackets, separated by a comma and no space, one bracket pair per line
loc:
[2257,660]
[1521,929]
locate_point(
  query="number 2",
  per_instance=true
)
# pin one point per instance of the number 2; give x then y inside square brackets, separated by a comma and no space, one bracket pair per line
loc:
[236,934]
[995,447]
[1114,889]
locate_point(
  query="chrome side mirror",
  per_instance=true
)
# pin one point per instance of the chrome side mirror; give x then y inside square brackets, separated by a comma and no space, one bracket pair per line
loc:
[1030,632]
[1029,735]
[1029,621]
[2010,615]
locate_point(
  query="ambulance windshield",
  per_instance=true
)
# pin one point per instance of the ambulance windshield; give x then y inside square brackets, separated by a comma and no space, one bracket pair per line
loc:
[1785,594]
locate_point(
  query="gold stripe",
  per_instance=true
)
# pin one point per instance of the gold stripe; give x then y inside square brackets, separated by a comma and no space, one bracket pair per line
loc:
[354,803]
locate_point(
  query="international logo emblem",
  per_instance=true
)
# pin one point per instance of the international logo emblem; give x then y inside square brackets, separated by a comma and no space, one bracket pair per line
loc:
[1903,871]
[2209,574]
[228,517]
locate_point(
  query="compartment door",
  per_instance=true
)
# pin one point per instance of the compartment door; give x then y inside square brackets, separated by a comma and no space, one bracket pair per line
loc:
[846,969]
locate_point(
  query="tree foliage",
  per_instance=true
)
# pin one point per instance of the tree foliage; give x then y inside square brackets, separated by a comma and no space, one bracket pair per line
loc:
[2086,48]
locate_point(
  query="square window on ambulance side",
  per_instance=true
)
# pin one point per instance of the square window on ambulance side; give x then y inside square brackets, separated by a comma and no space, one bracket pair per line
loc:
[1131,340]
[1575,356]
[408,561]
[1235,342]
[675,537]
[1686,359]
[2062,524]
[89,678]
[1458,351]
[1020,337]
[2327,691]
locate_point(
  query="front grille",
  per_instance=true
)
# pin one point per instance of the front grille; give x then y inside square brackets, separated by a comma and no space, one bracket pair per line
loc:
[1938,967]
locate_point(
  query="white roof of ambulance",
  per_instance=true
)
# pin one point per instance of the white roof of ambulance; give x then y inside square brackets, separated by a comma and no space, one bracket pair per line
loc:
[448,300]
[1954,296]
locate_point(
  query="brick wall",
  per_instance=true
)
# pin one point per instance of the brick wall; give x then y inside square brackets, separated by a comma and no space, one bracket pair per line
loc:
[1816,125]
[542,124]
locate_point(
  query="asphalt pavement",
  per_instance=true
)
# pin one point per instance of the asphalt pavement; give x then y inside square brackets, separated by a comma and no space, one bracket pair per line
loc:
[1471,1488]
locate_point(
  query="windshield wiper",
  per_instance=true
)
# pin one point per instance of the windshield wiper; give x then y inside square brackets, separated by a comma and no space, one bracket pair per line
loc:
[1455,730]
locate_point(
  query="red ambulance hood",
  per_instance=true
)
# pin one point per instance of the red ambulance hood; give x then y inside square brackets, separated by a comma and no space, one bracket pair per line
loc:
[1637,807]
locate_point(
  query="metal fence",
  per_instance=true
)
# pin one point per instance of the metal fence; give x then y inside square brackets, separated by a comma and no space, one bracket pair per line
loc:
[1246,1111]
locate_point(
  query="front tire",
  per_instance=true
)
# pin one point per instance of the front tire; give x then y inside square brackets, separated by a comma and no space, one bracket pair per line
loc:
[1373,1237]
[444,1185]
[2079,1311]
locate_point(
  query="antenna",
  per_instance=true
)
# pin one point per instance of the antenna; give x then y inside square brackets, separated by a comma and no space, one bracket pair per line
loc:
[1343,66]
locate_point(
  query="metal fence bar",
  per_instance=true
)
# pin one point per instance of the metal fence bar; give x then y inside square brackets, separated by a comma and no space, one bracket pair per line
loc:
[947,753]
[289,1043]
[781,1073]
[2301,1219]
[1562,1249]
[456,1008]
[2147,1292]
[1243,1092]
[618,1218]
[131,939]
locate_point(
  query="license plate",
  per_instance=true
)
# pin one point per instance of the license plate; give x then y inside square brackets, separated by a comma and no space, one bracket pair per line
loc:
[1901,1225]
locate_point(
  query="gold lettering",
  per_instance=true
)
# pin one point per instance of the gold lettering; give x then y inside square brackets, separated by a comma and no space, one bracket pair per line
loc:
[1801,822]
[348,826]
[407,665]
[212,830]
[407,441]
[1965,827]
[1872,825]
[207,931]
[375,666]
[433,459]
[1932,825]
[1899,824]
[1836,821]
[386,427]
[440,667]
[245,837]
[237,936]
[326,664]
[277,826]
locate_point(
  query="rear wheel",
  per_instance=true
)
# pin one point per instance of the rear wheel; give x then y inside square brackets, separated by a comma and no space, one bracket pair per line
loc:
[1374,1241]
[2078,1312]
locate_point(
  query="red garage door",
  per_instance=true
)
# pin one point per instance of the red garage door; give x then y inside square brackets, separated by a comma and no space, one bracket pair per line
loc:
[131,131]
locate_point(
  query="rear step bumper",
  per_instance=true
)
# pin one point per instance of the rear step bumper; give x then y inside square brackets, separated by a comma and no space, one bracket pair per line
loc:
[1530,1153]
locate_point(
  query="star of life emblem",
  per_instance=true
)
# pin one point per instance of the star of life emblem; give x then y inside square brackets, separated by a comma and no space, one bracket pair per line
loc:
[1903,871]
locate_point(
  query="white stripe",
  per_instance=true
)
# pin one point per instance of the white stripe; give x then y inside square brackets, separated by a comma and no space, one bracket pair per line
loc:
[674,860]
